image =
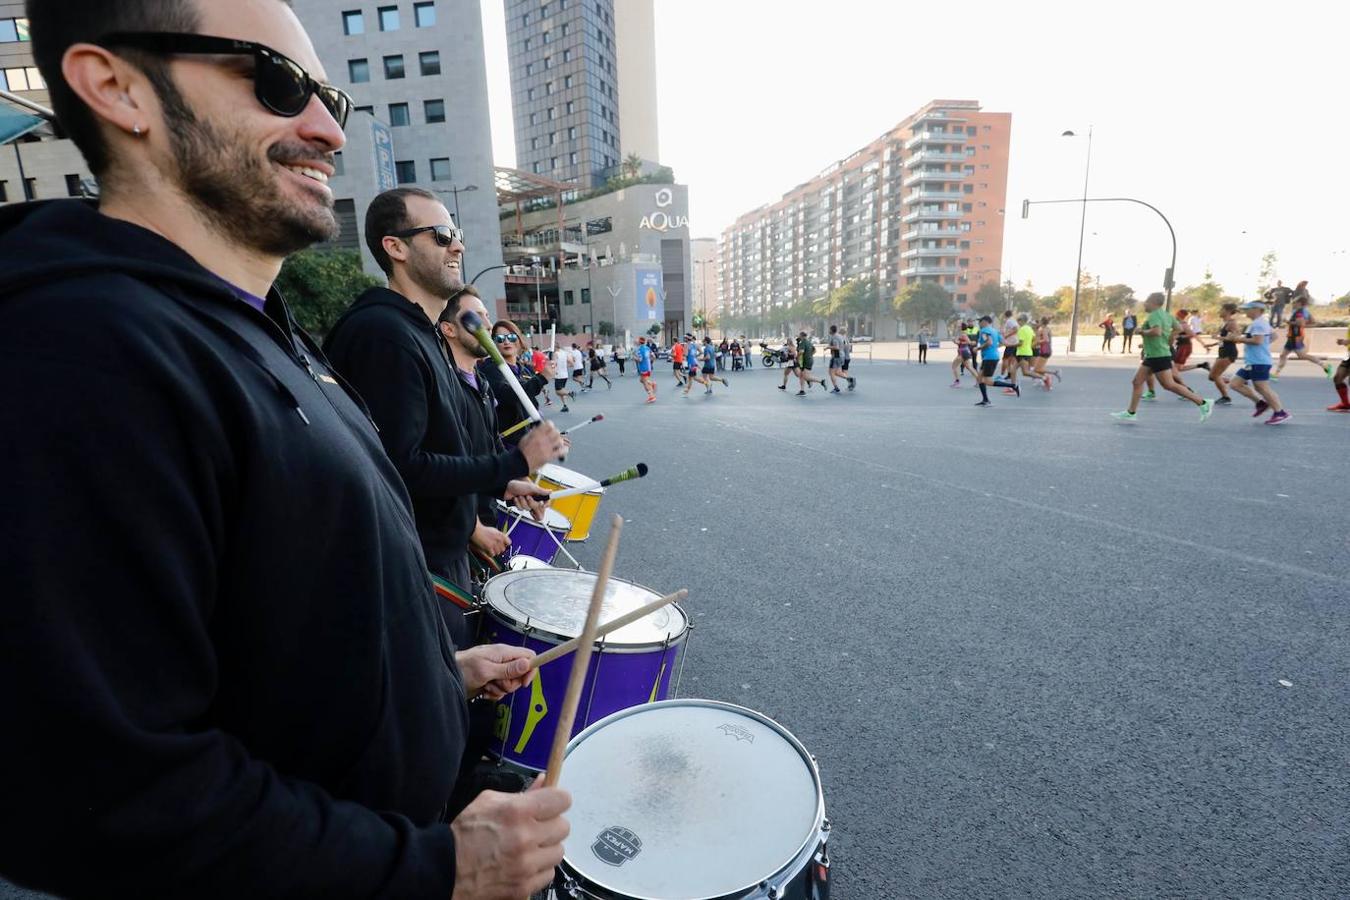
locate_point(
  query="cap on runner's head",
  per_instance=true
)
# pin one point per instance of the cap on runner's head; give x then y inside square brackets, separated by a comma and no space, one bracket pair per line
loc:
[1253,304]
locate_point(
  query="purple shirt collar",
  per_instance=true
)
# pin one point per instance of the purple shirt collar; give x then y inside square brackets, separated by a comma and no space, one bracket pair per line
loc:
[258,303]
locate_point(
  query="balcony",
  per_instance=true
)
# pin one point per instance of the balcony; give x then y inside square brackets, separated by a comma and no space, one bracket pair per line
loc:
[930,252]
[932,215]
[935,137]
[933,156]
[915,234]
[937,118]
[931,270]
[921,195]
[932,175]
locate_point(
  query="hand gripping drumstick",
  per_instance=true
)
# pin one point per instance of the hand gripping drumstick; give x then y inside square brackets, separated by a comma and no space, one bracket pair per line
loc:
[567,718]
[638,471]
[577,427]
[612,625]
[471,321]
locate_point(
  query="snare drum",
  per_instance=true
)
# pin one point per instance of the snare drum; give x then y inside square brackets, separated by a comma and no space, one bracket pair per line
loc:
[581,508]
[541,608]
[542,540]
[692,800]
[521,561]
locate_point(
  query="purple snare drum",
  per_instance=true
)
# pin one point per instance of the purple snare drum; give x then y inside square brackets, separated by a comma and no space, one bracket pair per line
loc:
[542,540]
[541,608]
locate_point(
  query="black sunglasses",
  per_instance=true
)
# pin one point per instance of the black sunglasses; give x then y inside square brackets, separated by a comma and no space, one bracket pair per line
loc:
[280,83]
[506,338]
[445,235]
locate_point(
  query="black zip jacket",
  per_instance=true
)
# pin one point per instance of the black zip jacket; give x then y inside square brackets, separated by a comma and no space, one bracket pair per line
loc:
[510,411]
[222,668]
[390,351]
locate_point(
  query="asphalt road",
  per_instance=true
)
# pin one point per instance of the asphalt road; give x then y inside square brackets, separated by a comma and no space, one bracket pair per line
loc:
[1037,653]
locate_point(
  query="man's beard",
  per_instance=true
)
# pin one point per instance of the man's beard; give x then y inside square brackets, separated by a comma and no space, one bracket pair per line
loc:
[428,271]
[239,195]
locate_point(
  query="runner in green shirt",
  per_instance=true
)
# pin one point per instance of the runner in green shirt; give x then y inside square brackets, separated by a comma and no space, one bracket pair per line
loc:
[1157,333]
[806,357]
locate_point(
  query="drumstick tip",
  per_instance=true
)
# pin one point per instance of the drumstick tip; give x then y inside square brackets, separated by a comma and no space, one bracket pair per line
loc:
[642,470]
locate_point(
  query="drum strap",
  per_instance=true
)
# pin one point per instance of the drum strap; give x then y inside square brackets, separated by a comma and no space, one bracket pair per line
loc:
[448,590]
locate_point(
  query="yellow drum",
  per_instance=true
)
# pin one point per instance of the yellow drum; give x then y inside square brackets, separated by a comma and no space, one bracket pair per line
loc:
[581,509]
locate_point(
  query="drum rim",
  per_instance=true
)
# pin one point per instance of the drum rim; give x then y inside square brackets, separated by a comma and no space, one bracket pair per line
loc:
[594,492]
[527,519]
[814,836]
[603,645]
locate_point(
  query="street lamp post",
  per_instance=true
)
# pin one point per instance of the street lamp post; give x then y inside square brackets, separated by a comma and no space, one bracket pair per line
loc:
[703,267]
[538,267]
[1082,227]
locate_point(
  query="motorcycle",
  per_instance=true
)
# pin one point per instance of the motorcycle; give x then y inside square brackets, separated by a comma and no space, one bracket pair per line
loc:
[772,356]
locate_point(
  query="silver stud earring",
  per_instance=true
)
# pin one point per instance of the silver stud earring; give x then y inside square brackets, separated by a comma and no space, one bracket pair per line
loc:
[136,130]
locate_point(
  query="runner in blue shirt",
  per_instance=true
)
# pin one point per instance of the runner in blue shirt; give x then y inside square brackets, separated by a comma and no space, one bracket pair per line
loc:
[644,368]
[989,339]
[708,374]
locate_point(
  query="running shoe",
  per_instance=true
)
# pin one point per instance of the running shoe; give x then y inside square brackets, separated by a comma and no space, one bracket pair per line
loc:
[782,387]
[1205,409]
[1124,416]
[823,387]
[1331,373]
[1339,407]
[1055,372]
[1261,406]
[1017,390]
[708,391]
[1010,392]
[1274,377]
[1203,365]
[801,393]
[853,381]
[955,384]
[1046,383]
[565,409]
[1149,395]
[836,391]
[984,403]
[1228,401]
[651,399]
[1278,418]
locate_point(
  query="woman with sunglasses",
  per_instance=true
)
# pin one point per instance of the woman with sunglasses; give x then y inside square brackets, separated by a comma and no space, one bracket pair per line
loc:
[506,335]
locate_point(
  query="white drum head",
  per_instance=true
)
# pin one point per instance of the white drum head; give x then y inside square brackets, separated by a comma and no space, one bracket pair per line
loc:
[556,600]
[521,561]
[553,520]
[568,477]
[687,800]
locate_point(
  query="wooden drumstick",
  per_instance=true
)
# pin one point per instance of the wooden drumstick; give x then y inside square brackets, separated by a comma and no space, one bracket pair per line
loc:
[609,627]
[582,661]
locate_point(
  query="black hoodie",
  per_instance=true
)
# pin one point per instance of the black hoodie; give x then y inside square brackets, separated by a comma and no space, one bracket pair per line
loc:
[385,345]
[222,671]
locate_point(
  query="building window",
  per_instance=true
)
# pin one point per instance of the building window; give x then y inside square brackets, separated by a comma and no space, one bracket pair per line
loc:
[434,110]
[545,37]
[388,18]
[353,22]
[553,137]
[968,188]
[73,188]
[529,69]
[30,189]
[424,14]
[536,168]
[566,28]
[567,56]
[13,30]
[440,169]
[585,295]
[550,114]
[406,170]
[548,89]
[525,20]
[966,207]
[567,81]
[358,71]
[534,143]
[338,167]
[572,133]
[527,43]
[22,78]
[548,63]
[430,62]
[368,110]
[572,158]
[393,66]
[398,115]
[534,118]
[567,297]
[529,95]
[571,107]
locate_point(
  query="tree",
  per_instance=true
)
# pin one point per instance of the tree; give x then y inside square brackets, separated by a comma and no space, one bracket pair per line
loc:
[989,300]
[654,330]
[1205,296]
[604,328]
[567,328]
[1265,278]
[319,285]
[632,166]
[852,301]
[924,303]
[1343,301]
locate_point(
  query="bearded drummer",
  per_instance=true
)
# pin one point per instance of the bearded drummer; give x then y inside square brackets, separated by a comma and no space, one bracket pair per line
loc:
[223,672]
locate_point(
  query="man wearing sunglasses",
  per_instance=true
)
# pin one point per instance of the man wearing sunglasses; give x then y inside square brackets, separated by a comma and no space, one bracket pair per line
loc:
[428,411]
[221,658]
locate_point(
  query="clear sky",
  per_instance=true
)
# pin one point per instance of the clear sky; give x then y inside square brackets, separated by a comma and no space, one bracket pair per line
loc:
[1230,117]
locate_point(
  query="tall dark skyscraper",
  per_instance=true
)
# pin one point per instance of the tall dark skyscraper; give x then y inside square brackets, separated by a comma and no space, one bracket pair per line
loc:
[569,81]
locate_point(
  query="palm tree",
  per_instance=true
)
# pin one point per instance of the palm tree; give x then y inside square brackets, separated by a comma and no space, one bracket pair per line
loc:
[632,166]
